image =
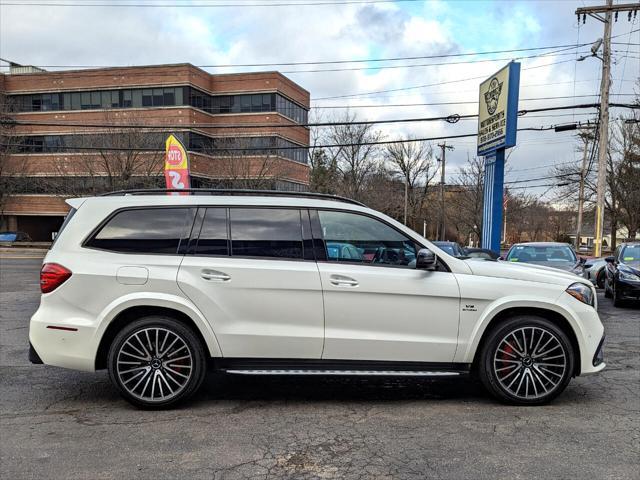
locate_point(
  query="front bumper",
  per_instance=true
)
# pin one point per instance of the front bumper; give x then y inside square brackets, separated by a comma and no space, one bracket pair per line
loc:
[628,290]
[598,357]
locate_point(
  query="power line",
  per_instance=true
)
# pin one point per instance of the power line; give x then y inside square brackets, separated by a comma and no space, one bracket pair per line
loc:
[414,87]
[268,148]
[452,118]
[328,62]
[205,5]
[458,103]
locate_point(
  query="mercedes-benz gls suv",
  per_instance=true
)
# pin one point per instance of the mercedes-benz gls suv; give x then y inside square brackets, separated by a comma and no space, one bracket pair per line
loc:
[158,288]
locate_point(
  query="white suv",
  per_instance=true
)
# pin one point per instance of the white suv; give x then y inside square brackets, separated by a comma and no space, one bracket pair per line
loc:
[156,288]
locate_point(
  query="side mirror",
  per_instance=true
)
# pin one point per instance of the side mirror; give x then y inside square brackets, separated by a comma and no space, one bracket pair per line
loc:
[611,259]
[426,260]
[582,260]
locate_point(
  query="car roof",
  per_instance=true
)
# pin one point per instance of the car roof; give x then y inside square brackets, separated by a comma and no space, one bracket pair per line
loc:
[164,200]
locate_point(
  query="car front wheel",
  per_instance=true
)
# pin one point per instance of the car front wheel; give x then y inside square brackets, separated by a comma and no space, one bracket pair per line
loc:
[156,362]
[527,360]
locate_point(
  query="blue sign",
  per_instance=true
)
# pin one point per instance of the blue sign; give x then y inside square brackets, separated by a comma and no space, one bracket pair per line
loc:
[497,128]
[498,110]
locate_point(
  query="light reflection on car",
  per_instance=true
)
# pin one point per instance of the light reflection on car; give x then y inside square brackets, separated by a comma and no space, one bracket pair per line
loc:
[548,254]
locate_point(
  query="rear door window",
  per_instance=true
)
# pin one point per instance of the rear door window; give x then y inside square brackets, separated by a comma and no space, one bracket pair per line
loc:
[266,232]
[214,237]
[152,230]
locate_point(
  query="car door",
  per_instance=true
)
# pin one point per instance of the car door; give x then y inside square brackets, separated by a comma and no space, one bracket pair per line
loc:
[379,306]
[252,273]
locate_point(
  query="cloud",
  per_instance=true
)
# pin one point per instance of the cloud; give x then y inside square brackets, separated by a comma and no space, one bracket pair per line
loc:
[138,36]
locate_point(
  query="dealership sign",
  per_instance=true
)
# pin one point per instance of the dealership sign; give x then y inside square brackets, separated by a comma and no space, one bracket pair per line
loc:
[176,165]
[498,110]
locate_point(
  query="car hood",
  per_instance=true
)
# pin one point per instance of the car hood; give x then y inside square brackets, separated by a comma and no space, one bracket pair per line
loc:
[523,271]
[634,267]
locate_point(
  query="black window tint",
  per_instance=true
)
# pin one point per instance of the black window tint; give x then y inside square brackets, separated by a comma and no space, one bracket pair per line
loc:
[214,239]
[357,238]
[157,230]
[266,232]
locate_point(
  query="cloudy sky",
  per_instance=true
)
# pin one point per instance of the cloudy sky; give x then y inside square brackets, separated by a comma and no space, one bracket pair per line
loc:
[233,32]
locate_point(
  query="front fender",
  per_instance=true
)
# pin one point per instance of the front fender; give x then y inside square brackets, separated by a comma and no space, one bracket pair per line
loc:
[471,335]
[163,300]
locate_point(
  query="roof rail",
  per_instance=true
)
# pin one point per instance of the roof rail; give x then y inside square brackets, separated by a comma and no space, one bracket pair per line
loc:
[232,192]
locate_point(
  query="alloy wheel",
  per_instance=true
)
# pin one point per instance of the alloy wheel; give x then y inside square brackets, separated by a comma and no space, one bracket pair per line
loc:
[530,362]
[154,364]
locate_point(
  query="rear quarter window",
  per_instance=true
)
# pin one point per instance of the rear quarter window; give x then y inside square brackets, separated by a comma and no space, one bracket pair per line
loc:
[144,230]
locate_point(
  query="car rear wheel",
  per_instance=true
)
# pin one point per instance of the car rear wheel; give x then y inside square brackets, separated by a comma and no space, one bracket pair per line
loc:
[156,362]
[527,360]
[600,278]
[617,301]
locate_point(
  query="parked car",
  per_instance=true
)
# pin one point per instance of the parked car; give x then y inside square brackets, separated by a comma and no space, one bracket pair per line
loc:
[11,237]
[623,274]
[549,254]
[594,270]
[481,253]
[452,248]
[155,288]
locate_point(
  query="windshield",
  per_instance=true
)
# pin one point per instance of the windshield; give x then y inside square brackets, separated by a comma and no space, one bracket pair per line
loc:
[452,249]
[630,254]
[545,254]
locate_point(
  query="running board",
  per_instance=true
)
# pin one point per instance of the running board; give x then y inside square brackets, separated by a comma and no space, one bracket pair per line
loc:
[378,373]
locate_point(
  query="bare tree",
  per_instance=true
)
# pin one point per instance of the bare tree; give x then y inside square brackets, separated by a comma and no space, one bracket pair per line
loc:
[465,206]
[624,166]
[14,168]
[414,163]
[356,155]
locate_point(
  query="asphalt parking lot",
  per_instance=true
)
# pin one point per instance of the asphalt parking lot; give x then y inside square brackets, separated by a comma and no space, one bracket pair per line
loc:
[62,424]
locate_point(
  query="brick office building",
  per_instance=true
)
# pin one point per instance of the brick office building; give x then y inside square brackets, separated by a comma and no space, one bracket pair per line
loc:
[86,131]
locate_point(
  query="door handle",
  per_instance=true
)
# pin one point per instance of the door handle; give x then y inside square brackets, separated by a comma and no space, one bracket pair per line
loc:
[342,281]
[215,275]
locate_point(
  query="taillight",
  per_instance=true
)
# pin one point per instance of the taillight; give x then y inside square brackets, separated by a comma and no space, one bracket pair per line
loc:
[52,276]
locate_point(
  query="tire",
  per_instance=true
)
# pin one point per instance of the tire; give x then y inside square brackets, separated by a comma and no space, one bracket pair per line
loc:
[512,374]
[607,291]
[617,301]
[156,362]
[600,277]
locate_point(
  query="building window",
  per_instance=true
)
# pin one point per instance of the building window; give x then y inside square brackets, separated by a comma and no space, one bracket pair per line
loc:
[156,97]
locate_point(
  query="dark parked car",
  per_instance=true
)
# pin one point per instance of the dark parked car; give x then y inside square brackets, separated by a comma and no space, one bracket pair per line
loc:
[452,248]
[481,253]
[549,254]
[622,280]
[14,237]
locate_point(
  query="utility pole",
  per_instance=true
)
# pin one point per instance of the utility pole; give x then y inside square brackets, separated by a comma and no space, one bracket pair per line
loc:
[406,196]
[603,144]
[444,148]
[586,138]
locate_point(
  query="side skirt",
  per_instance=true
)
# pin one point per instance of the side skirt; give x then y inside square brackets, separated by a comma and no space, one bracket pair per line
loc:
[260,366]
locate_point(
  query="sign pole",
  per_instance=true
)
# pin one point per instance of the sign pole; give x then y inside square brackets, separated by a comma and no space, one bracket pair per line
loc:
[493,202]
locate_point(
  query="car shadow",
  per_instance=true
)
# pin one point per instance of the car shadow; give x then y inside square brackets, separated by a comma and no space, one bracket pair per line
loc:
[336,388]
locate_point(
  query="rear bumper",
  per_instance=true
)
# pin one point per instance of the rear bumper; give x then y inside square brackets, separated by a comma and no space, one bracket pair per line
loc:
[33,356]
[67,343]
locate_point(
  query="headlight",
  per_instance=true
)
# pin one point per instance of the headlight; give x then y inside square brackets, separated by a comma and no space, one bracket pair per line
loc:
[582,292]
[625,275]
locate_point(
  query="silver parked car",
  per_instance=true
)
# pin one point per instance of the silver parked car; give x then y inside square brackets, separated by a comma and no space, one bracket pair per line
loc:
[594,270]
[549,254]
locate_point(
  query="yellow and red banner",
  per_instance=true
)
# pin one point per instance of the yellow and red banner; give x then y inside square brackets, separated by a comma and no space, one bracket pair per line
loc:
[176,166]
